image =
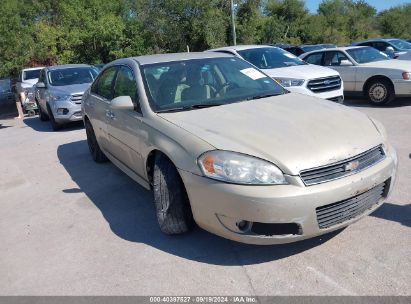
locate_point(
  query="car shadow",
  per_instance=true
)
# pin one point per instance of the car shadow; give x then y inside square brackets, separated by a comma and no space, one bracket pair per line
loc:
[395,213]
[44,126]
[128,209]
[361,102]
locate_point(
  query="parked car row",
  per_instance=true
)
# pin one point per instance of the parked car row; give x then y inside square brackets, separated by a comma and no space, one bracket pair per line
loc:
[245,141]
[298,50]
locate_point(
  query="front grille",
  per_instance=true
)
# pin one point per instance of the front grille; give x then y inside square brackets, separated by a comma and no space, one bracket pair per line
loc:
[343,168]
[340,212]
[325,84]
[76,98]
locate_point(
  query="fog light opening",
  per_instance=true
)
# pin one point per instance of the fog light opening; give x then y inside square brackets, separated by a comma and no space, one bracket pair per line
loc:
[243,225]
[62,111]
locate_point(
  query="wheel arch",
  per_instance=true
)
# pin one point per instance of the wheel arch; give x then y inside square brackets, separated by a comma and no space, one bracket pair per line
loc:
[373,78]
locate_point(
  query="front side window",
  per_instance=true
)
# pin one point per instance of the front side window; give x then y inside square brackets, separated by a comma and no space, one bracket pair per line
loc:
[381,46]
[336,59]
[71,76]
[104,84]
[183,85]
[125,85]
[314,58]
[270,58]
[366,55]
[31,74]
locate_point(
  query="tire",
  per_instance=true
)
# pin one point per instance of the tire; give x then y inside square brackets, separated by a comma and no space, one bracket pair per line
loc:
[380,92]
[172,205]
[55,126]
[43,116]
[93,146]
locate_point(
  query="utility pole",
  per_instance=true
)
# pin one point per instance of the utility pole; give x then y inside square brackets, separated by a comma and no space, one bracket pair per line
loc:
[233,23]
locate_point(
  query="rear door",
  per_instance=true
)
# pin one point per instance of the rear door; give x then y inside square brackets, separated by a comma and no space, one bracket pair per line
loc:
[97,105]
[126,129]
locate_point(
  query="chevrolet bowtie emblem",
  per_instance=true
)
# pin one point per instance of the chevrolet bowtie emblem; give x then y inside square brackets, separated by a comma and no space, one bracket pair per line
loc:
[352,165]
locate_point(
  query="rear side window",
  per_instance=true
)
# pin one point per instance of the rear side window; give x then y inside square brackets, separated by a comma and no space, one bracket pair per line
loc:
[104,85]
[314,58]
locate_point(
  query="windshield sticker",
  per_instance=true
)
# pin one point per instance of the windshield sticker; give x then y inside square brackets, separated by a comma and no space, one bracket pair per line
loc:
[253,73]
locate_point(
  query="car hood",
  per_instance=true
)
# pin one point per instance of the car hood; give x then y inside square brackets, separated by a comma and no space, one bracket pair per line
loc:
[29,83]
[390,64]
[307,71]
[293,131]
[70,89]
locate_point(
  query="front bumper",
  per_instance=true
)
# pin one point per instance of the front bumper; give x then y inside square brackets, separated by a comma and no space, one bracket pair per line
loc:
[71,112]
[220,207]
[331,95]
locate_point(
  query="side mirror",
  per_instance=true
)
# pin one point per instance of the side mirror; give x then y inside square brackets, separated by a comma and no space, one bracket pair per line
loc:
[40,85]
[122,103]
[389,50]
[345,62]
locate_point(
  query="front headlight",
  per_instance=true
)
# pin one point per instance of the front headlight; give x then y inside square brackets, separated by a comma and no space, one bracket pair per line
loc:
[60,97]
[290,82]
[239,168]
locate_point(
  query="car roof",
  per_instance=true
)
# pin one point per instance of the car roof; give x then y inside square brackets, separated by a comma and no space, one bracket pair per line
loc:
[31,69]
[150,59]
[242,47]
[67,66]
[375,39]
[340,48]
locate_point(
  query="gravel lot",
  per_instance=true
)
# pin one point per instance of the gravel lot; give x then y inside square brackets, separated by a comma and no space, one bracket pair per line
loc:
[69,226]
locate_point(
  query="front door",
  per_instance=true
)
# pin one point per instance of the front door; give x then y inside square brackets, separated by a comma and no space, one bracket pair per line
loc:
[342,64]
[126,129]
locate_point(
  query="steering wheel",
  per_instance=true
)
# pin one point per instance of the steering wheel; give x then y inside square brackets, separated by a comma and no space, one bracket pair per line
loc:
[227,87]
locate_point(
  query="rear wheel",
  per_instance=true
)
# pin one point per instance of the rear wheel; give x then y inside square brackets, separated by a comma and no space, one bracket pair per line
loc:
[95,151]
[170,198]
[56,126]
[380,92]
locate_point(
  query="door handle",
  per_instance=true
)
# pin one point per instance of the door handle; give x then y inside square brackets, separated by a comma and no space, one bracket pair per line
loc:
[110,114]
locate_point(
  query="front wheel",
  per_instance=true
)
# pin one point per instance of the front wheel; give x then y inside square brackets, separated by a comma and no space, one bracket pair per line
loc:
[380,92]
[170,198]
[55,126]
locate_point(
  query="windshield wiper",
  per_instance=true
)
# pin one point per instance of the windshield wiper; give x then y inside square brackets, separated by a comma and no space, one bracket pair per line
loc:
[190,107]
[263,96]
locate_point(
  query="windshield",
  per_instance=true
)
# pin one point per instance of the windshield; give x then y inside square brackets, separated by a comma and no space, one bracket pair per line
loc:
[401,44]
[31,74]
[70,76]
[367,54]
[270,58]
[182,85]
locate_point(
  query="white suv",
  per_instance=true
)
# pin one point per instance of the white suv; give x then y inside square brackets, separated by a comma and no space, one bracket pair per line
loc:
[290,71]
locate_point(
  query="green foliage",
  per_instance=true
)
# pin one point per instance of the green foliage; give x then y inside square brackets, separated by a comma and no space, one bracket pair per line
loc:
[47,32]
